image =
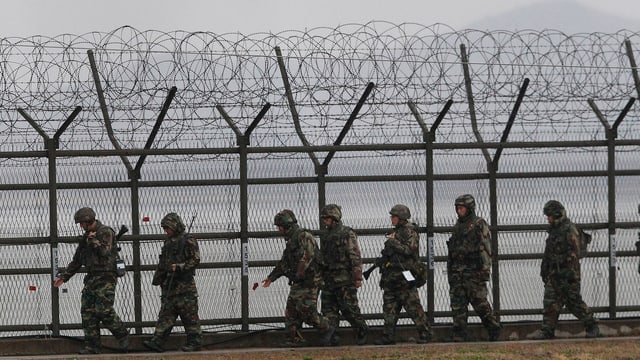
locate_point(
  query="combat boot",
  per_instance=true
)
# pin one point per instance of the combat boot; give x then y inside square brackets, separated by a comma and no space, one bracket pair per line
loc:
[123,343]
[424,338]
[153,345]
[361,337]
[87,350]
[295,342]
[335,340]
[494,334]
[190,347]
[592,331]
[325,340]
[384,340]
[541,335]
[193,343]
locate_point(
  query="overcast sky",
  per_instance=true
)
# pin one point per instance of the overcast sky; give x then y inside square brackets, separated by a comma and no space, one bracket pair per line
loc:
[24,18]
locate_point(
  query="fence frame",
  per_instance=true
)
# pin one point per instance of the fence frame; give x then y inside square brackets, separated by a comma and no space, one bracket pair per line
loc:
[429,144]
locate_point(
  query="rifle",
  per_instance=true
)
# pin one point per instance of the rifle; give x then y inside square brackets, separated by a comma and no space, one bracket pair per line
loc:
[173,273]
[121,268]
[380,262]
[123,230]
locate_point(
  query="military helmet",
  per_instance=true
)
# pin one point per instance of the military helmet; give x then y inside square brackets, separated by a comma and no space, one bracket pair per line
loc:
[85,215]
[554,209]
[467,201]
[173,222]
[400,211]
[331,211]
[285,218]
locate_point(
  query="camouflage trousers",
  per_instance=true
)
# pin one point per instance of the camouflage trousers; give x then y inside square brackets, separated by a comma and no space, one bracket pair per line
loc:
[96,307]
[468,290]
[559,293]
[343,300]
[184,305]
[393,300]
[302,306]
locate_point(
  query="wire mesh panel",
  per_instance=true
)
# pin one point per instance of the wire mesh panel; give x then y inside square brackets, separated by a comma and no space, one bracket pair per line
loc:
[226,130]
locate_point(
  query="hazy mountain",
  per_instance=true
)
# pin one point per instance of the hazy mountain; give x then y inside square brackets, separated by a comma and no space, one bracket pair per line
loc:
[566,16]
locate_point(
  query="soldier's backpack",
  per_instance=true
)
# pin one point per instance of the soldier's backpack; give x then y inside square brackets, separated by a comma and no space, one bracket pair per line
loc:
[584,239]
[420,274]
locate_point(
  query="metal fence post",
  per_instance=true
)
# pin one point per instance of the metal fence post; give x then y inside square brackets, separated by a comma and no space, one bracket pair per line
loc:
[611,133]
[429,137]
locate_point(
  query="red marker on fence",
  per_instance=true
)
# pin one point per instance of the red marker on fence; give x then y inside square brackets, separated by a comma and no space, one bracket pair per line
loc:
[255,286]
[32,288]
[145,219]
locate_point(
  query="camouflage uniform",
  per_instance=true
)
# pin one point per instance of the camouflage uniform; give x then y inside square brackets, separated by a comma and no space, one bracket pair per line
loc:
[401,253]
[300,263]
[96,251]
[560,272]
[179,292]
[468,270]
[342,269]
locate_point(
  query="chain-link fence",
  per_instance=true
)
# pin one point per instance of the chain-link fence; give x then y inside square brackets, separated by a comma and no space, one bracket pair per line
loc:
[227,130]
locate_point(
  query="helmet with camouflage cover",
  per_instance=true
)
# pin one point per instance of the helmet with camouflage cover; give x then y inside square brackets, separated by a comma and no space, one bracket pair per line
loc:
[554,209]
[84,215]
[401,211]
[285,218]
[331,211]
[467,201]
[173,222]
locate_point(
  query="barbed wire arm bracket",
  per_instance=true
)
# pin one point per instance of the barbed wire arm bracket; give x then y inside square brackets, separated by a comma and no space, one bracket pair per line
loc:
[634,66]
[292,108]
[105,112]
[156,128]
[472,106]
[512,117]
[349,123]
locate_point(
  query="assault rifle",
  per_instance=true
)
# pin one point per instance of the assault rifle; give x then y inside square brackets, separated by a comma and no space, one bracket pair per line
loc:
[381,262]
[121,267]
[123,230]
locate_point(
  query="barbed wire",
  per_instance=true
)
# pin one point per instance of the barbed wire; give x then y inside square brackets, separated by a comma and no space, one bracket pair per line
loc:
[328,70]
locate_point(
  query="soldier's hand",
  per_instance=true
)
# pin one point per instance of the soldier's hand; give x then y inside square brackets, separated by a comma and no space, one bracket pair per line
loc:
[92,240]
[58,282]
[358,284]
[174,267]
[266,283]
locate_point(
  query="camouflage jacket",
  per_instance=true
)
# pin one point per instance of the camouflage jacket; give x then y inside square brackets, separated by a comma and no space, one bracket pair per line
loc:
[400,253]
[341,256]
[182,250]
[96,252]
[300,261]
[561,251]
[469,248]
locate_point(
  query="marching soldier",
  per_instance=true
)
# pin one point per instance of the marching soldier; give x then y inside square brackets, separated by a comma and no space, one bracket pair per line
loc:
[179,258]
[342,273]
[301,264]
[97,252]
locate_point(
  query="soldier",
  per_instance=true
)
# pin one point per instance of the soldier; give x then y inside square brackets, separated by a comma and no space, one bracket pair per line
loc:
[342,273]
[468,270]
[179,258]
[401,254]
[97,252]
[560,272]
[301,264]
